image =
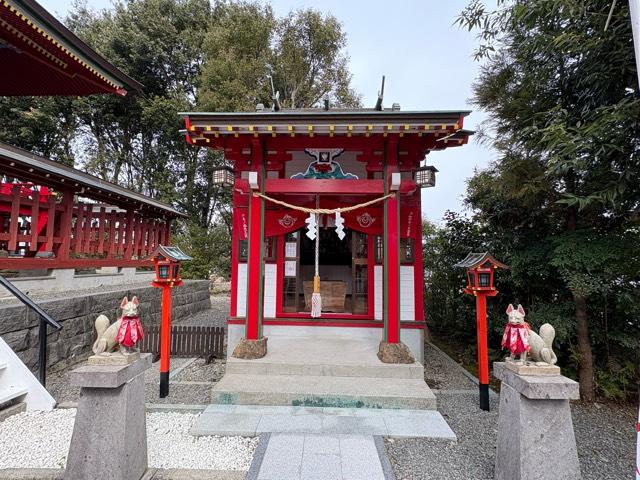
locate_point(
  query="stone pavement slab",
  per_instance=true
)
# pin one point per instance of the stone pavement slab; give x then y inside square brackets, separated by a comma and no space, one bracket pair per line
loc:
[320,457]
[246,420]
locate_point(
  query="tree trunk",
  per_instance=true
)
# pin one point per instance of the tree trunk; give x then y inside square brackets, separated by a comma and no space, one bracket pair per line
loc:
[585,369]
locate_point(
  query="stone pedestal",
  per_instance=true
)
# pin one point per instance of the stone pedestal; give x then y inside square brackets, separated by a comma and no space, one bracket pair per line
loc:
[109,435]
[250,349]
[394,353]
[535,430]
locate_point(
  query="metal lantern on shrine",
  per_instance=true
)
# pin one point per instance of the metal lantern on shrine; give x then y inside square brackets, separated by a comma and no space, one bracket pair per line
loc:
[426,176]
[223,176]
[167,265]
[480,276]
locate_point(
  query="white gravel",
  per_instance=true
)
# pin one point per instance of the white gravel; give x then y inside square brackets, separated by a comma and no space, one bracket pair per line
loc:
[41,440]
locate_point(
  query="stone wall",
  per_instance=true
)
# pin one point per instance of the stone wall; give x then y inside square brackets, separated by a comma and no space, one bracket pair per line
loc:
[77,314]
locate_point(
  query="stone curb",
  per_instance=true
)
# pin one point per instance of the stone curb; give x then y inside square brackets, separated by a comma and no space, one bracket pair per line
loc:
[258,456]
[463,370]
[387,470]
[153,407]
[175,372]
[150,474]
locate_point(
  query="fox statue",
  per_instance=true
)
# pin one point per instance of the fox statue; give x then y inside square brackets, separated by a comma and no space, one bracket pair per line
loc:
[520,340]
[126,331]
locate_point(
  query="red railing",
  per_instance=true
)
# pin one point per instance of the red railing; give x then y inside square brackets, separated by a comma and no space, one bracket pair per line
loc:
[42,229]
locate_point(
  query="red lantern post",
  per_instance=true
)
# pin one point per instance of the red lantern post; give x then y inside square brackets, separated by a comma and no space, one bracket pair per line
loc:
[480,275]
[167,265]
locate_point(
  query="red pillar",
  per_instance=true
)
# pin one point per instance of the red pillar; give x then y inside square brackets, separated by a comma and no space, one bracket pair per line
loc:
[253,329]
[391,272]
[483,355]
[165,341]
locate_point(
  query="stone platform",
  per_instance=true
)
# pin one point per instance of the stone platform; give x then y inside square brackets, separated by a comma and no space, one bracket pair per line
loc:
[323,371]
[252,420]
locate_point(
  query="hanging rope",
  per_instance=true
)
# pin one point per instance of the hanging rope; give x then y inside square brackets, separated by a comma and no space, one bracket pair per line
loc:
[328,211]
[316,298]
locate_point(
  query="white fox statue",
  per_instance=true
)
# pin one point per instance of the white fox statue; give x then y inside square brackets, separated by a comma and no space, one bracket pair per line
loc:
[520,340]
[110,335]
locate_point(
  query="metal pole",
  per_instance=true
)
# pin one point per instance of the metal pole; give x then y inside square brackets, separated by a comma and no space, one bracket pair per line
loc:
[42,352]
[483,350]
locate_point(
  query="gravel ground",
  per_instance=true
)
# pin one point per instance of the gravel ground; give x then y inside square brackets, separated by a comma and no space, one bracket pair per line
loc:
[41,440]
[441,372]
[199,371]
[605,435]
[190,386]
[216,316]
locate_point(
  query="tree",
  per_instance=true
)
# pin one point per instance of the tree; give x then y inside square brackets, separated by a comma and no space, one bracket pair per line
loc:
[563,107]
[189,55]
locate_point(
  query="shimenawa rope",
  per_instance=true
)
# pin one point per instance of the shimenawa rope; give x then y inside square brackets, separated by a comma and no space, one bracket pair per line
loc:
[328,211]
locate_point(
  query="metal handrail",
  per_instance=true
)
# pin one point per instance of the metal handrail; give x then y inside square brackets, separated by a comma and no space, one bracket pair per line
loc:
[45,319]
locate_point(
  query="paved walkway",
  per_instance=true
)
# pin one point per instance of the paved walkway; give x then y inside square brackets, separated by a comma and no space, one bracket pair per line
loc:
[290,456]
[315,443]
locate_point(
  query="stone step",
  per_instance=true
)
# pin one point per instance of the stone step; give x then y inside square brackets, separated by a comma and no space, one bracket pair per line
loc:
[329,368]
[323,391]
[323,355]
[252,420]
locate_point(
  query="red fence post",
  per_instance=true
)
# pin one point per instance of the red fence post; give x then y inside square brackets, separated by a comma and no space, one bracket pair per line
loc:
[13,220]
[65,225]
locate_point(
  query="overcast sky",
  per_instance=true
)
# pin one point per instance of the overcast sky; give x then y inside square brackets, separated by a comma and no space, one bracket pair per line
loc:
[428,66]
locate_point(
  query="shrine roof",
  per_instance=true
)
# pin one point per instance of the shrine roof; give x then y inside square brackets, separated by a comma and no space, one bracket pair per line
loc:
[40,56]
[473,260]
[18,163]
[440,124]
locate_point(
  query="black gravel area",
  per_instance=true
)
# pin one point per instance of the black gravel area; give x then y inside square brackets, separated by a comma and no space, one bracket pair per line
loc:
[470,458]
[199,371]
[190,386]
[216,316]
[441,372]
[180,393]
[605,436]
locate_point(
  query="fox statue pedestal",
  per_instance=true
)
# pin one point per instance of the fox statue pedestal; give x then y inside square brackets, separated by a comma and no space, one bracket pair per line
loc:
[535,430]
[109,435]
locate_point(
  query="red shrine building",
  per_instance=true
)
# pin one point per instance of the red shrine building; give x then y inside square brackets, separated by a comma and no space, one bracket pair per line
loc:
[332,160]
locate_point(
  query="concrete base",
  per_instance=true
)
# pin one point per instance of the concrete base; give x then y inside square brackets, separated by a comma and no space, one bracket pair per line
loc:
[535,430]
[109,435]
[323,371]
[115,358]
[532,368]
[411,337]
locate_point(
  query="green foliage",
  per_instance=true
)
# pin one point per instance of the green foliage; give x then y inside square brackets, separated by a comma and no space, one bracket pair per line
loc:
[560,204]
[209,248]
[190,55]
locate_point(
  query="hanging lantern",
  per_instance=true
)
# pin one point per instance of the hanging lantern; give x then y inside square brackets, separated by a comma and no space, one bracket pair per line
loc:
[224,176]
[426,176]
